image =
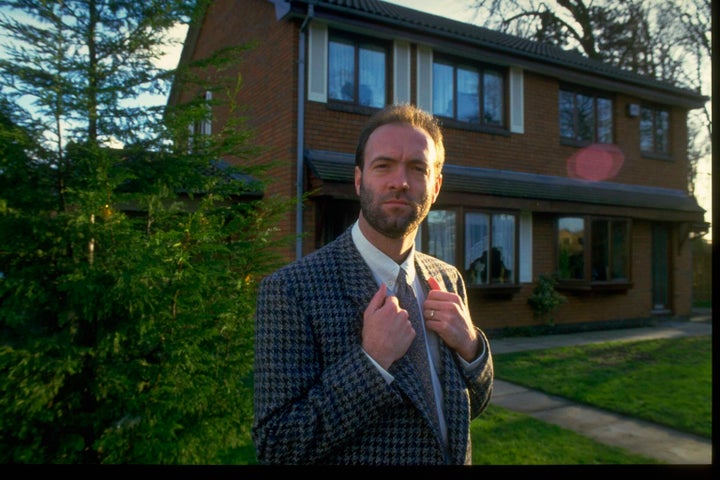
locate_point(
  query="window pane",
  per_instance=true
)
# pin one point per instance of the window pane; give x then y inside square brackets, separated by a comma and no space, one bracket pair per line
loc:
[604,133]
[618,247]
[372,77]
[341,71]
[586,117]
[468,97]
[571,250]
[477,242]
[442,89]
[662,144]
[441,235]
[567,114]
[502,258]
[600,251]
[493,98]
[646,130]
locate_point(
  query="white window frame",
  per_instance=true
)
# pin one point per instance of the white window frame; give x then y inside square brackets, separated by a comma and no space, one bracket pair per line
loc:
[401,72]
[317,62]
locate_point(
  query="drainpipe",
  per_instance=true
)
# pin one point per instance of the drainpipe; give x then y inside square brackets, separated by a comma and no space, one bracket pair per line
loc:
[301,135]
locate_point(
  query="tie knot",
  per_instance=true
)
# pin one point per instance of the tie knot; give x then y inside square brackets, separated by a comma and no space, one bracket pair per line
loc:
[402,277]
[402,283]
[403,290]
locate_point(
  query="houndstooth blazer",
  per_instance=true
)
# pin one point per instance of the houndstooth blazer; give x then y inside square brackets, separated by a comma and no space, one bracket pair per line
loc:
[320,400]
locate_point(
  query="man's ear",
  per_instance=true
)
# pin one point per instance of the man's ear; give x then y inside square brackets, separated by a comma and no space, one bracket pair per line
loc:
[358,180]
[438,184]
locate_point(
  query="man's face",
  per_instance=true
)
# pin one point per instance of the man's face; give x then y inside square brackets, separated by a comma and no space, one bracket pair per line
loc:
[398,183]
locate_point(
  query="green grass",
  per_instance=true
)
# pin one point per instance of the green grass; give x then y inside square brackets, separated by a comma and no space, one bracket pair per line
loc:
[667,381]
[664,381]
[503,437]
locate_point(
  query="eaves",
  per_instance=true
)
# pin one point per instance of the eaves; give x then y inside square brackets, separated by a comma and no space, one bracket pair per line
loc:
[337,167]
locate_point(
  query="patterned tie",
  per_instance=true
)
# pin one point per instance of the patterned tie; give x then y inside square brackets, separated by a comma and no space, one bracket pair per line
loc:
[418,351]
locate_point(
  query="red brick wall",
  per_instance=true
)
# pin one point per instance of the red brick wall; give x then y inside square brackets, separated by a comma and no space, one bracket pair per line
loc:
[538,150]
[267,97]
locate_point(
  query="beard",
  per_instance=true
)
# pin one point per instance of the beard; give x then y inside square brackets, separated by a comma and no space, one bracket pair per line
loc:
[393,226]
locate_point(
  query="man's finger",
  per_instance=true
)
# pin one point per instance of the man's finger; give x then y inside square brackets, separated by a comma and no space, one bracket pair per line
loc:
[434,285]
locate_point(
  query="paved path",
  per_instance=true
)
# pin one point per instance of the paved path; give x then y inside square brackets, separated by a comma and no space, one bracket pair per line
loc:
[645,438]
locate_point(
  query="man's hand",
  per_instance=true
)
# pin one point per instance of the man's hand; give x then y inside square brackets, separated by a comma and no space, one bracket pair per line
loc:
[446,315]
[387,332]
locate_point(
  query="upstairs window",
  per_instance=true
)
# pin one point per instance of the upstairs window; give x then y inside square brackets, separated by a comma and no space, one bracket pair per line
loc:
[593,250]
[357,70]
[468,93]
[655,131]
[585,117]
[201,128]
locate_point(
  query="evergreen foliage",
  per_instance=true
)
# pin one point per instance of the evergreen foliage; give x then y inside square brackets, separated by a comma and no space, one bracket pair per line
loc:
[545,299]
[127,276]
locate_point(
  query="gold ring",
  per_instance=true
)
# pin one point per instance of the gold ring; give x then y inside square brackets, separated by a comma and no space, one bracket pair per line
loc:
[432,313]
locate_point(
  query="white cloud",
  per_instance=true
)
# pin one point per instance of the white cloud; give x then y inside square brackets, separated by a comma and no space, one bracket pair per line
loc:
[170,58]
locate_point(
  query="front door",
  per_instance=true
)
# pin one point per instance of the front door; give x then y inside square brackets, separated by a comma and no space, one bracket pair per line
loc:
[660,267]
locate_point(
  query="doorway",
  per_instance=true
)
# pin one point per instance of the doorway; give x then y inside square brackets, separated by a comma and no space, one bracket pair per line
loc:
[660,268]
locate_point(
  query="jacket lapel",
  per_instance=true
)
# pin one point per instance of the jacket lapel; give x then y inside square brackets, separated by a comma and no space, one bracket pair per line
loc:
[455,396]
[354,275]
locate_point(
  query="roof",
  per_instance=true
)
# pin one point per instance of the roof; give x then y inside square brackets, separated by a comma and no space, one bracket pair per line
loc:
[525,53]
[339,167]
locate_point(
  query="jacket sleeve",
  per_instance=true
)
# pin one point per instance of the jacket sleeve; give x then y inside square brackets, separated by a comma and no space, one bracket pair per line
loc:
[479,379]
[305,407]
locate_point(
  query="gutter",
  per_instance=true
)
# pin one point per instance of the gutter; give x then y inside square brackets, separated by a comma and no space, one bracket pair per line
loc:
[301,134]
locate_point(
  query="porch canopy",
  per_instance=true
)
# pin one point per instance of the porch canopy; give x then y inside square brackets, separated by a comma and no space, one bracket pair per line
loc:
[332,174]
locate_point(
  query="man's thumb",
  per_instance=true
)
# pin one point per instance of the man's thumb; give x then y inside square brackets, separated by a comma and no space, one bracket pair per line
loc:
[378,300]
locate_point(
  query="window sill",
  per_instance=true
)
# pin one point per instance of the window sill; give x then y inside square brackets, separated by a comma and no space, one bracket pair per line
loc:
[350,108]
[499,291]
[609,287]
[473,127]
[571,142]
[657,156]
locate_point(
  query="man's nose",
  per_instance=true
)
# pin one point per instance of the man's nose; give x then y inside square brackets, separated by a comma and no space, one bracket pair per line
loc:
[400,179]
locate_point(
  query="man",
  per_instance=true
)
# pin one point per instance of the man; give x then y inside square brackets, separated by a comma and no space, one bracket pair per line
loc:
[338,379]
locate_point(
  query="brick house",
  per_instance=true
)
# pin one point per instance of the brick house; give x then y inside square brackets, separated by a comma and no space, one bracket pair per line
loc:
[555,164]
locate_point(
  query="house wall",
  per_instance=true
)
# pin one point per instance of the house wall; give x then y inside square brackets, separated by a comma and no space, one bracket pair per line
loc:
[538,151]
[267,95]
[268,99]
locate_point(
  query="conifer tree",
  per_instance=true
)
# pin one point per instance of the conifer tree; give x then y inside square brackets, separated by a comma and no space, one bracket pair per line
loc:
[127,275]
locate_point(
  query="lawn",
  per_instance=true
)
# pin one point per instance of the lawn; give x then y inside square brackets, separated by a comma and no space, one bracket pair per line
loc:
[503,437]
[667,381]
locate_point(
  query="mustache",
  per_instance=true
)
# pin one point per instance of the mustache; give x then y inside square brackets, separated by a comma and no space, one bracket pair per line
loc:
[398,195]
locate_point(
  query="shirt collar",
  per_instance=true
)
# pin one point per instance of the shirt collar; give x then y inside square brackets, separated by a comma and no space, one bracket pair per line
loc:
[384,268]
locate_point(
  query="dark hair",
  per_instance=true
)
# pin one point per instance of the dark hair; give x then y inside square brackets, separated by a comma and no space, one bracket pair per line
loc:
[406,114]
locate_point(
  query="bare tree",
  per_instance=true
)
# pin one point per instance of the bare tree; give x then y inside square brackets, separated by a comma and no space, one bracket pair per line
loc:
[668,41]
